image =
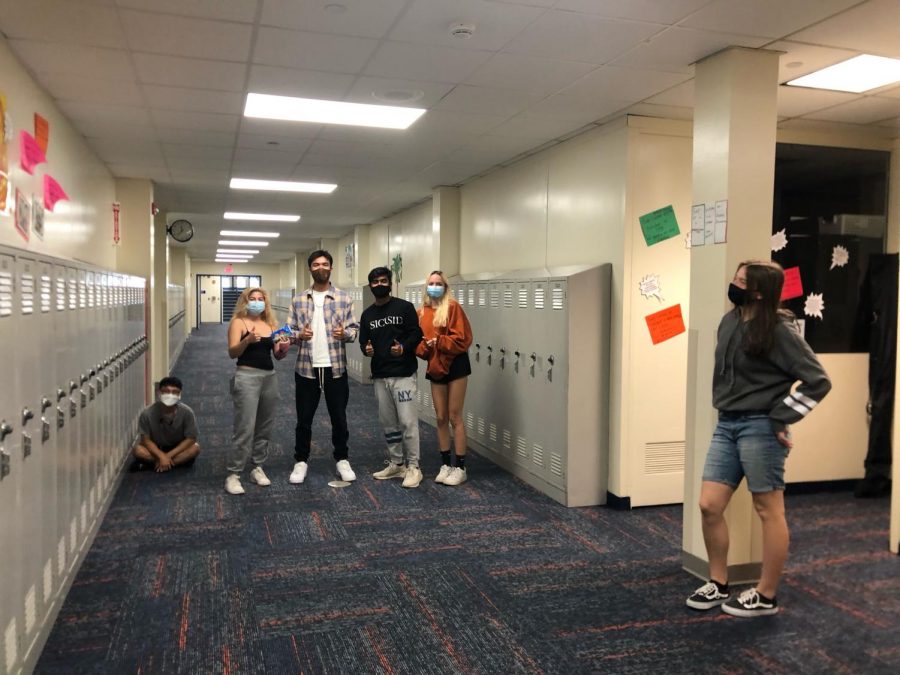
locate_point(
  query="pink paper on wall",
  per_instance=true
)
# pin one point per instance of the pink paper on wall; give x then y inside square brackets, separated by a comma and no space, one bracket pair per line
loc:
[793,286]
[30,153]
[53,192]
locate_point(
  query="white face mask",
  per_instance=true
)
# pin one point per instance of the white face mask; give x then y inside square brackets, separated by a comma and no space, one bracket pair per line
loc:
[169,399]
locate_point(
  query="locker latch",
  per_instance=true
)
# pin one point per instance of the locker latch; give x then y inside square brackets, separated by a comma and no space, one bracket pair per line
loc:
[5,430]
[45,430]
[26,445]
[4,464]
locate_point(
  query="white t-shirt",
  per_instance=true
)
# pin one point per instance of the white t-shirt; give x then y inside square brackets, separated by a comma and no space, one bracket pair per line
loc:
[320,356]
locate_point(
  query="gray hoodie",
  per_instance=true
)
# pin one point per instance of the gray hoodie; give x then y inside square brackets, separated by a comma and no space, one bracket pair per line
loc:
[763,383]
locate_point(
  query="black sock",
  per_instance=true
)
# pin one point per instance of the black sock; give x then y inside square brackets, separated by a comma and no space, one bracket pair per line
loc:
[764,598]
[445,457]
[723,588]
[461,461]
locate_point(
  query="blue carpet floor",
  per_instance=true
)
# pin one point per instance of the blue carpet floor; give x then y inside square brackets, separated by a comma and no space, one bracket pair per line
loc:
[488,577]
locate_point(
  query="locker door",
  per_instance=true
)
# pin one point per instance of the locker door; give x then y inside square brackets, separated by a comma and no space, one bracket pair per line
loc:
[81,336]
[90,354]
[496,361]
[535,391]
[28,484]
[47,430]
[522,327]
[555,381]
[61,406]
[504,320]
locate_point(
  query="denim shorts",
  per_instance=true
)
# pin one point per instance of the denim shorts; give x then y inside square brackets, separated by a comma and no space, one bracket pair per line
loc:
[746,445]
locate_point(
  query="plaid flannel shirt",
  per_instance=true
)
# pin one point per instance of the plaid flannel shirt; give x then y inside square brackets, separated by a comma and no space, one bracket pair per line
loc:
[338,311]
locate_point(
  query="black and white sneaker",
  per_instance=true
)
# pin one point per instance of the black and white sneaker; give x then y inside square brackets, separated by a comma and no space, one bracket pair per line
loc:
[709,595]
[751,603]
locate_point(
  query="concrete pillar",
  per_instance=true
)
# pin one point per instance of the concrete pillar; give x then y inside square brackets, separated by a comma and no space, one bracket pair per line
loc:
[445,228]
[733,159]
[159,301]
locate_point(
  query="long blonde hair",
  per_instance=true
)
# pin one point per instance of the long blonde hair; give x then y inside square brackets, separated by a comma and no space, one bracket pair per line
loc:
[441,305]
[240,307]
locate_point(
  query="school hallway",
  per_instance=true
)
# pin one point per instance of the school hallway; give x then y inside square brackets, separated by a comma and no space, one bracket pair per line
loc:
[488,577]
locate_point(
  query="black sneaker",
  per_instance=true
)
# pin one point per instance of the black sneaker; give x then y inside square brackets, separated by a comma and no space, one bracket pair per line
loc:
[751,603]
[709,595]
[138,465]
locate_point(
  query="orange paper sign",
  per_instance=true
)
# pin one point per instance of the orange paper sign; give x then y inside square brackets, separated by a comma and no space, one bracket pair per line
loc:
[41,132]
[793,287]
[53,192]
[665,324]
[30,153]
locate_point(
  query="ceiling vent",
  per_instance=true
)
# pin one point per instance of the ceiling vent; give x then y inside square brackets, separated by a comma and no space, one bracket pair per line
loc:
[462,31]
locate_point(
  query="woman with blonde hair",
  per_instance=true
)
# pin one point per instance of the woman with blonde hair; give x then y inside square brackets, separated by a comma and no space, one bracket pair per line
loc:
[447,336]
[254,387]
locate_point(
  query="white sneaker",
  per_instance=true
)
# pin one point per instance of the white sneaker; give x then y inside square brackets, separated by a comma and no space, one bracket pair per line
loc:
[298,475]
[443,473]
[413,477]
[259,477]
[390,471]
[233,484]
[456,476]
[345,472]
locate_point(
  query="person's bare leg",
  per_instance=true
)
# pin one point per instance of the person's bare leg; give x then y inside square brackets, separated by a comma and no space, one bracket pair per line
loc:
[456,396]
[442,414]
[714,497]
[185,455]
[776,539]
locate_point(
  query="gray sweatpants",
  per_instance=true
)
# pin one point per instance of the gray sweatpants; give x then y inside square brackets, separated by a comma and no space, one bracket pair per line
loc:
[399,418]
[255,396]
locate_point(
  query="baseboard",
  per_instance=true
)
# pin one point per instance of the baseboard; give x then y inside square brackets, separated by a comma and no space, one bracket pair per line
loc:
[810,487]
[618,503]
[737,574]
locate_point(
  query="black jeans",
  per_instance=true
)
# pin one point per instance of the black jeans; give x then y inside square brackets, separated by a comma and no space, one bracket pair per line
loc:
[308,392]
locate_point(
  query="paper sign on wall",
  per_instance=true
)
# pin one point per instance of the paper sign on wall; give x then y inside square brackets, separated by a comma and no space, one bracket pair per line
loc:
[665,324]
[41,132]
[30,153]
[793,286]
[709,224]
[23,215]
[53,192]
[698,216]
[659,225]
[721,234]
[649,287]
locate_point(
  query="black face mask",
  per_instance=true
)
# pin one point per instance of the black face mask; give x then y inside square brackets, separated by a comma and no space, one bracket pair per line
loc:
[737,295]
[380,291]
[321,276]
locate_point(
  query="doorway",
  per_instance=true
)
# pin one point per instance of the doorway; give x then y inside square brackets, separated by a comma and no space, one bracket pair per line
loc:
[218,293]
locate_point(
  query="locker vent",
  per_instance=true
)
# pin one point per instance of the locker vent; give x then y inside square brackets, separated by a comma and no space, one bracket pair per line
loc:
[556,465]
[48,580]
[495,297]
[92,294]
[30,609]
[507,439]
[559,298]
[521,447]
[481,297]
[492,432]
[471,296]
[11,639]
[27,294]
[82,294]
[427,399]
[419,297]
[46,289]
[406,295]
[666,457]
[61,557]
[481,426]
[508,298]
[5,294]
[470,421]
[84,515]
[523,298]
[460,296]
[537,455]
[539,297]
[60,295]
[418,398]
[73,294]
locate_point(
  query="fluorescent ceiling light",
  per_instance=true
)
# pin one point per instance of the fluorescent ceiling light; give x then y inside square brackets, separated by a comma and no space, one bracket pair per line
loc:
[281,218]
[237,251]
[856,75]
[231,242]
[241,233]
[330,112]
[280,185]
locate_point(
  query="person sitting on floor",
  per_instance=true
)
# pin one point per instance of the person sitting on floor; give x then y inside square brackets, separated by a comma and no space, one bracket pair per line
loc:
[168,431]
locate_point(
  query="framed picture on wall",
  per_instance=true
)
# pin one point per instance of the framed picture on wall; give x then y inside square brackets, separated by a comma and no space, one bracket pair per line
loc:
[348,256]
[37,216]
[23,215]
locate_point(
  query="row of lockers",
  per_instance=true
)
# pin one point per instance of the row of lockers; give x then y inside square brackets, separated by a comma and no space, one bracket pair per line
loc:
[537,399]
[76,344]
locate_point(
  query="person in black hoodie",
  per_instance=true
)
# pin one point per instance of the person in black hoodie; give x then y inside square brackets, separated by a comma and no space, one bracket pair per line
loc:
[759,356]
[389,333]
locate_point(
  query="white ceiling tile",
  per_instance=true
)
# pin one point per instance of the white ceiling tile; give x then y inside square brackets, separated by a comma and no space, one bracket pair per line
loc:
[127,151]
[274,158]
[580,107]
[490,150]
[676,49]
[537,75]
[362,18]
[57,19]
[184,164]
[105,113]
[645,109]
[528,3]
[195,177]
[580,37]
[225,10]
[223,154]
[188,137]
[312,51]
[420,62]
[801,59]
[870,27]
[78,88]
[278,128]
[296,82]
[667,12]
[54,57]
[772,18]
[864,110]
[110,129]
[487,100]
[156,174]
[893,92]
[181,36]
[172,119]
[625,84]
[539,128]
[797,101]
[386,91]
[681,95]
[180,72]
[438,124]
[196,100]
[428,22]
[273,142]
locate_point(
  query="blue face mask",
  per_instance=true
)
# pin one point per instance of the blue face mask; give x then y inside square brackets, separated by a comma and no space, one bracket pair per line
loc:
[256,307]
[435,291]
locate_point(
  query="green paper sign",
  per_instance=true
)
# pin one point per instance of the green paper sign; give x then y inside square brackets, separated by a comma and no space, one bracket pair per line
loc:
[659,225]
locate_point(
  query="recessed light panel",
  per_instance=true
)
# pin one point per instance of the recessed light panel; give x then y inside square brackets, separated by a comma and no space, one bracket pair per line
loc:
[276,217]
[330,112]
[237,251]
[243,233]
[281,185]
[856,75]
[233,242]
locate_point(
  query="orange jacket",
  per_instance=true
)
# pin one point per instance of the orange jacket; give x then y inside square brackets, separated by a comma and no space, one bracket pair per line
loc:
[451,340]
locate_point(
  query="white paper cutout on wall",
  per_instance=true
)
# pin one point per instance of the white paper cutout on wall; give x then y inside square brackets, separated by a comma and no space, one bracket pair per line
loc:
[779,240]
[8,127]
[840,256]
[649,287]
[815,305]
[687,240]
